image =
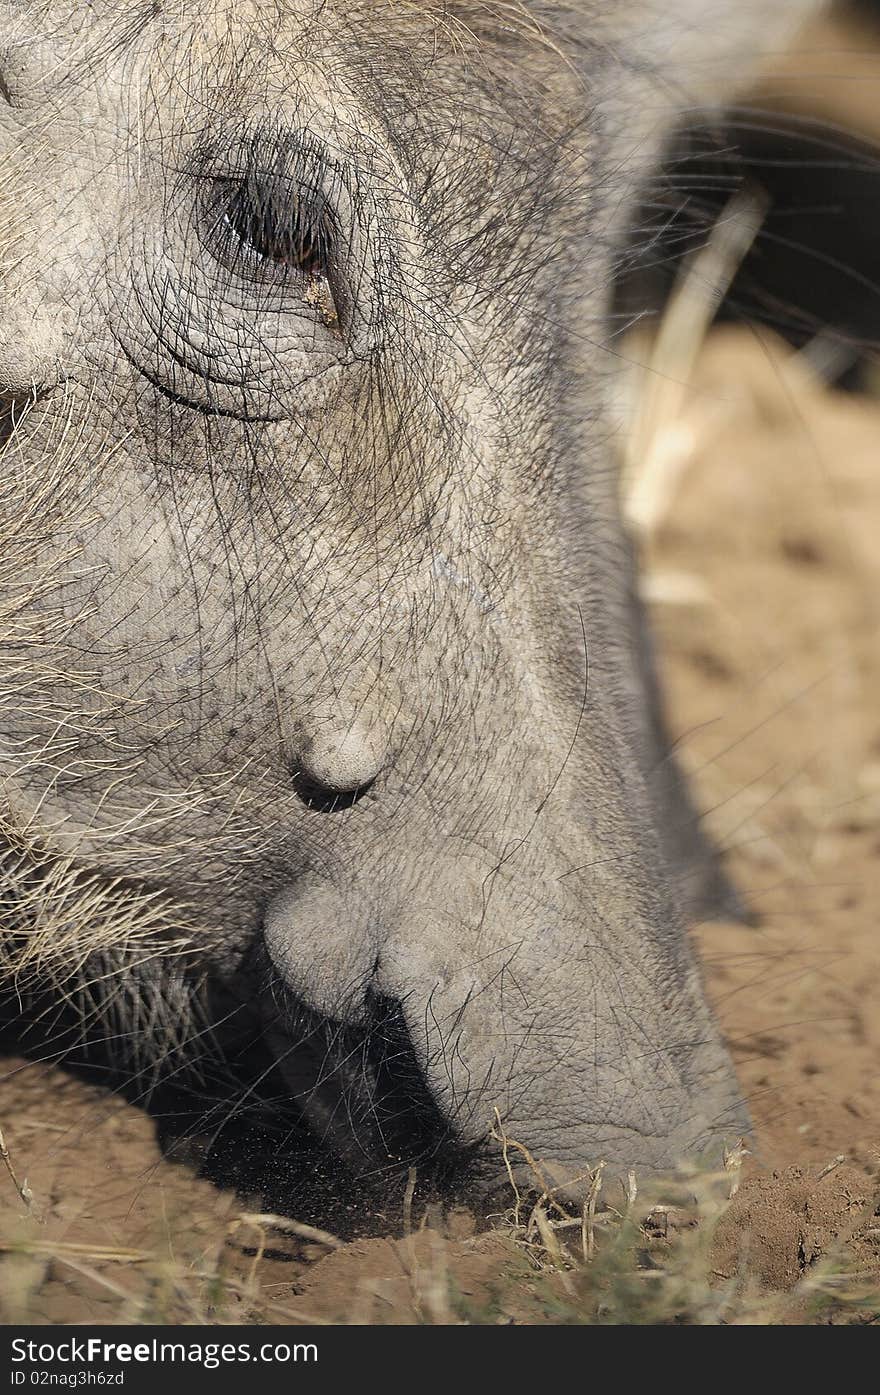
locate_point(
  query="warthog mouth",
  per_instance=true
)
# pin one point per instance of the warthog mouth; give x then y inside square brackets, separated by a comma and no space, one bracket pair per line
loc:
[262,1094]
[333,1122]
[362,1095]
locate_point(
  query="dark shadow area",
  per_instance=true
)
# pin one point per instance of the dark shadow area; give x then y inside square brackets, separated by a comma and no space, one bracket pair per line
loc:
[814,267]
[354,1138]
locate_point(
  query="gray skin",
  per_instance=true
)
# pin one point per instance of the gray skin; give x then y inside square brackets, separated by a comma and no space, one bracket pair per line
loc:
[322,676]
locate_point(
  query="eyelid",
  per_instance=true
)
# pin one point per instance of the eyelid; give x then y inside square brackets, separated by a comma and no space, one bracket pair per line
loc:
[306,271]
[284,212]
[350,299]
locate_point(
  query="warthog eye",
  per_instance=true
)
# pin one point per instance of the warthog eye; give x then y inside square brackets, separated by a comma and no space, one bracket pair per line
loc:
[272,230]
[292,232]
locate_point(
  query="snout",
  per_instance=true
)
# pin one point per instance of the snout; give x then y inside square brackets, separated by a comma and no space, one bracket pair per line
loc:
[402,1050]
[575,1069]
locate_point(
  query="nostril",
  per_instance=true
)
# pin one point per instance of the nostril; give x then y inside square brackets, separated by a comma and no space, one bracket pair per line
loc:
[337,764]
[325,798]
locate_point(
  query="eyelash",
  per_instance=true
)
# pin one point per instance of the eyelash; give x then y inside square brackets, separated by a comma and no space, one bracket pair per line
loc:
[279,229]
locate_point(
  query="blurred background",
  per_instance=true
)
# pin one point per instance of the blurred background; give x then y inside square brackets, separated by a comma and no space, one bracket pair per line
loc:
[747,322]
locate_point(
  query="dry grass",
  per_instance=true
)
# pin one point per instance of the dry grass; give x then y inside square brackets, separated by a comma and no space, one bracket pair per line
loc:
[626,1254]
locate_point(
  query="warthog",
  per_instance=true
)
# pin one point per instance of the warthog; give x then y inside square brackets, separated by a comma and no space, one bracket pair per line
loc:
[328,721]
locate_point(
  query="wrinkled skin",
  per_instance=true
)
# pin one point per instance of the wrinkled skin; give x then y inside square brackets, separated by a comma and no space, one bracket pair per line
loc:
[322,656]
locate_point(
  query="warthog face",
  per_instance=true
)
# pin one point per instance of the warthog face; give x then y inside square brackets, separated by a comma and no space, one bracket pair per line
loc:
[318,664]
